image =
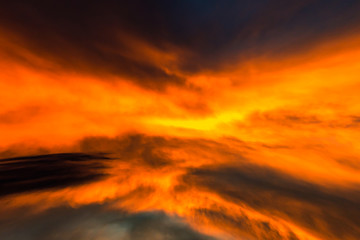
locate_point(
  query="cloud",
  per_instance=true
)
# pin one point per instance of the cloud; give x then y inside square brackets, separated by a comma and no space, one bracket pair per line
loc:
[219,184]
[39,172]
[292,119]
[136,148]
[96,222]
[78,76]
[245,226]
[155,44]
[330,212]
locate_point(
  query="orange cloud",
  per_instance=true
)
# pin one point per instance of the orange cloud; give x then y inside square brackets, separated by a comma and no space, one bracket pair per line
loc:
[261,148]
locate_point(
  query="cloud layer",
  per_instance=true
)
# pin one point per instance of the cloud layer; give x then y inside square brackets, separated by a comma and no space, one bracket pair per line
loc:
[159,43]
[215,185]
[180,119]
[96,222]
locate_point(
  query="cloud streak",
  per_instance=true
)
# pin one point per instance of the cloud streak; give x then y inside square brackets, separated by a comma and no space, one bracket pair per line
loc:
[218,187]
[48,171]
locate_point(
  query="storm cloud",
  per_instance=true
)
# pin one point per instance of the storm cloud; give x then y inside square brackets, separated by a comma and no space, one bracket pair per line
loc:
[155,43]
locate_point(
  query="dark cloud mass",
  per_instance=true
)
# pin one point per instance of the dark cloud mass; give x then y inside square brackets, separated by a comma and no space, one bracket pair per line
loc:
[41,172]
[96,222]
[103,37]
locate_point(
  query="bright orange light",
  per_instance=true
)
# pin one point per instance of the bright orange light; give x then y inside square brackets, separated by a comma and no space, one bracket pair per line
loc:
[298,115]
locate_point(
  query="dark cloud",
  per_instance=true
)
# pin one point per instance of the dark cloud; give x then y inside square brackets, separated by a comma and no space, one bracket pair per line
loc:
[330,213]
[40,172]
[245,226]
[91,36]
[95,222]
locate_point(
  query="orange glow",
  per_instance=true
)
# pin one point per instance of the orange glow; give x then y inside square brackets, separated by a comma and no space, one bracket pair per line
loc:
[298,115]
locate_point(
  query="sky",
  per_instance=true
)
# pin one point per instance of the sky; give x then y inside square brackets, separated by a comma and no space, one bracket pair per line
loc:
[177,120]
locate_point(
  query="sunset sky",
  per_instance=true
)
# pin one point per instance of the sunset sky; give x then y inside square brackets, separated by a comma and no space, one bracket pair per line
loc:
[180,119]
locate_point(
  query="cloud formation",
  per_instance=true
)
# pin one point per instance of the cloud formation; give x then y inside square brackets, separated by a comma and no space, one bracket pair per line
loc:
[180,119]
[96,222]
[331,212]
[219,187]
[159,43]
[48,171]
